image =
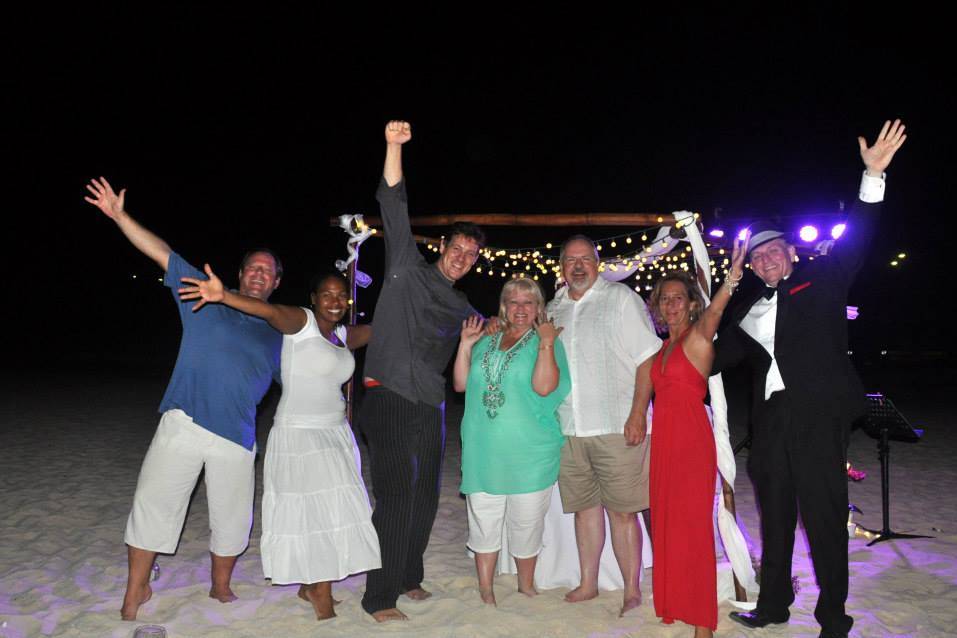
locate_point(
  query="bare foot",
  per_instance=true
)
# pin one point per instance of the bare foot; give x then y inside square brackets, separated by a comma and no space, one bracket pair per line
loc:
[319,595]
[629,603]
[488,597]
[132,601]
[417,594]
[528,591]
[385,615]
[223,594]
[580,594]
[703,632]
[302,594]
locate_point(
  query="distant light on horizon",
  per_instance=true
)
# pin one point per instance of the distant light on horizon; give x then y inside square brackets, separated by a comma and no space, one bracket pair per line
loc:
[838,230]
[717,232]
[808,233]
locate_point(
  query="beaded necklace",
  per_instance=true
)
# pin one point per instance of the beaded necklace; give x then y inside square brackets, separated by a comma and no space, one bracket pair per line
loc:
[493,397]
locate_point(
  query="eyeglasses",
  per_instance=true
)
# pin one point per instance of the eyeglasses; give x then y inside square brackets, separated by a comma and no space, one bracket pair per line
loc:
[587,260]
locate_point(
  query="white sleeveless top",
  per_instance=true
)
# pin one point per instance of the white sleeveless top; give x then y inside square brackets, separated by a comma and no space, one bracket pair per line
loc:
[313,371]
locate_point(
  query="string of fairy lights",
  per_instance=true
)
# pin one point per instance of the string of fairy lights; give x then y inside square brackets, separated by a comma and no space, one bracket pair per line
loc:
[631,250]
[634,249]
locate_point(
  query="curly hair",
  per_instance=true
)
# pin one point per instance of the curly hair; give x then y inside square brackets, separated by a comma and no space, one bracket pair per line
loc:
[695,298]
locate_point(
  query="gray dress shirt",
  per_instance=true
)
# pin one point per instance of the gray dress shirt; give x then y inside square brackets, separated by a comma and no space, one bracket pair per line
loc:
[419,314]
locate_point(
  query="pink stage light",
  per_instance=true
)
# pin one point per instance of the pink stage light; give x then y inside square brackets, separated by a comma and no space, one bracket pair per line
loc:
[838,230]
[808,233]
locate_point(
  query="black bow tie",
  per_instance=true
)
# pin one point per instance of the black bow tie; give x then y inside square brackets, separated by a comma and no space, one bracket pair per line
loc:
[768,292]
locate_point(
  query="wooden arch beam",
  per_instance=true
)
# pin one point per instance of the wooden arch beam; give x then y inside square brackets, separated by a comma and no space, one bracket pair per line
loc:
[542,221]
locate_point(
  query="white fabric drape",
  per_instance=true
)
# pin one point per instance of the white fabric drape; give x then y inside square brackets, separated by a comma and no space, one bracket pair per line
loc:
[735,546]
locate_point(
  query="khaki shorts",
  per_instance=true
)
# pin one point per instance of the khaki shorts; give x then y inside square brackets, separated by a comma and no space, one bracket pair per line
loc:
[603,470]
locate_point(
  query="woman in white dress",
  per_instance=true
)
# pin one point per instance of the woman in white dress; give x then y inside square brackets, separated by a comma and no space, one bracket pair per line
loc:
[317,524]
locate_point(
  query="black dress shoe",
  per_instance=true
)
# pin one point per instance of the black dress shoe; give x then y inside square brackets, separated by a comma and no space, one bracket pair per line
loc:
[754,619]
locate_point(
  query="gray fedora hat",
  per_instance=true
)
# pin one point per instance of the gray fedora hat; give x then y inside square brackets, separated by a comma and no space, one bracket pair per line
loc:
[764,231]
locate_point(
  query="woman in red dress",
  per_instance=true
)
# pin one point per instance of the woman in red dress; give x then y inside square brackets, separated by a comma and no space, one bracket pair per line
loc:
[683,463]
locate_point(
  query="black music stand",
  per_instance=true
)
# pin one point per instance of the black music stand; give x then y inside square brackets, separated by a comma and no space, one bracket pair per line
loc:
[885,423]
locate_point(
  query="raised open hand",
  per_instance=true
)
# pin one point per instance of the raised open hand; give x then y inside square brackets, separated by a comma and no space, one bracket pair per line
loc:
[398,132]
[472,330]
[209,291]
[104,198]
[547,332]
[738,253]
[878,157]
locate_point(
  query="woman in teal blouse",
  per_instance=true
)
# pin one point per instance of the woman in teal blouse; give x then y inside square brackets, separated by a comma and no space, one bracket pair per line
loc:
[511,441]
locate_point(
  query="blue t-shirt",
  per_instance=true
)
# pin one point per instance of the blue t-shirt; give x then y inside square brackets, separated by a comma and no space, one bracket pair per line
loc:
[226,362]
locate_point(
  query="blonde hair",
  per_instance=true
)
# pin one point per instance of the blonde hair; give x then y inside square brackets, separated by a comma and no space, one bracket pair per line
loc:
[519,284]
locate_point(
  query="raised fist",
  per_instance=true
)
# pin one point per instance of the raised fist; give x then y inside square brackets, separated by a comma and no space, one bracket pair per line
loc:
[398,132]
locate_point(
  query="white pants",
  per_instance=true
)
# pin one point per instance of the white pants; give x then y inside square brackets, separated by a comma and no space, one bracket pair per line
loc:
[523,517]
[179,450]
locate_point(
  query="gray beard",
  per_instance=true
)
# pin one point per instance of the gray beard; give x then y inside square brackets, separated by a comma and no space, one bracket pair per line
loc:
[580,287]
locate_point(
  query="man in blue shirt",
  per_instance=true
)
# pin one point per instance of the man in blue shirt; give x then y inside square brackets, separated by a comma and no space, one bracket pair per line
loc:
[226,362]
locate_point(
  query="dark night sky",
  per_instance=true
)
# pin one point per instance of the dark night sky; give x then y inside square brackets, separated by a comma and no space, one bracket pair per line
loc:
[235,130]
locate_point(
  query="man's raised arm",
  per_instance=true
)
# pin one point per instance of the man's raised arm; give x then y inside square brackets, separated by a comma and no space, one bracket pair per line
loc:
[397,133]
[850,252]
[400,247]
[112,206]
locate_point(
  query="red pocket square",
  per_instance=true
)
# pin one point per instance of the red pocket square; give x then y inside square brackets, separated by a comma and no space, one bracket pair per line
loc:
[798,288]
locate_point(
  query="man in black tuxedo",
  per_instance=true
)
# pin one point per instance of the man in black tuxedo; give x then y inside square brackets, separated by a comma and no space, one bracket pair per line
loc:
[793,333]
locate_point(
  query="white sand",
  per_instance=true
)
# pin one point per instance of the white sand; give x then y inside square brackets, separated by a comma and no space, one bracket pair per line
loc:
[71,454]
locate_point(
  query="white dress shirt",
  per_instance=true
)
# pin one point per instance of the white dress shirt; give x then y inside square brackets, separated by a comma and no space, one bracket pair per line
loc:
[607,334]
[759,324]
[760,321]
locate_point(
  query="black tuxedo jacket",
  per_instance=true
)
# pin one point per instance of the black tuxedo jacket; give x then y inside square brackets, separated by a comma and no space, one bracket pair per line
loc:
[810,341]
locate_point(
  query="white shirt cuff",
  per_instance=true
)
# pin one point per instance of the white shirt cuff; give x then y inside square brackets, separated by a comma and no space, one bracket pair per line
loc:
[872,188]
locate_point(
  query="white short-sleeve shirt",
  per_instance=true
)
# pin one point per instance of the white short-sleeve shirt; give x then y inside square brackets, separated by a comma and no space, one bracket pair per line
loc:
[607,334]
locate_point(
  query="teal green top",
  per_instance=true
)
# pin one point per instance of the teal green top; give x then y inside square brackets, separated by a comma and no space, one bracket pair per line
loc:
[511,439]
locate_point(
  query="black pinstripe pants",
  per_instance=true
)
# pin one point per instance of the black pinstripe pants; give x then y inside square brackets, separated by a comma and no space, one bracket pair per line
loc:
[406,443]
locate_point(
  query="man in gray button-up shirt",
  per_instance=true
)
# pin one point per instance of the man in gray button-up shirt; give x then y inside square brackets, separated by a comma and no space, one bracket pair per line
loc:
[415,330]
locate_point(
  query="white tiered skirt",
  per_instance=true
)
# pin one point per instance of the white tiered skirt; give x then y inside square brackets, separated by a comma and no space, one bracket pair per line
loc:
[316,519]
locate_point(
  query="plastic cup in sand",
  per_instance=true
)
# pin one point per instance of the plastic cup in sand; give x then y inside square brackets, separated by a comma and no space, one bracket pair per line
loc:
[150,631]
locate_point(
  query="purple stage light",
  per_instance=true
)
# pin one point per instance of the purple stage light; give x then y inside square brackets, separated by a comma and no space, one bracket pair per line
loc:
[838,230]
[742,234]
[808,233]
[717,232]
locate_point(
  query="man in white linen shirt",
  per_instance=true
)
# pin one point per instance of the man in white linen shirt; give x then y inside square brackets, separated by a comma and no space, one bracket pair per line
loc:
[610,342]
